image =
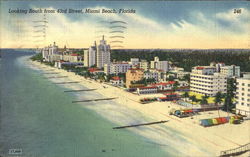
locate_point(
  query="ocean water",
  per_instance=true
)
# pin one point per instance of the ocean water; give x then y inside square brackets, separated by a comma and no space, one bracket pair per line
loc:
[40,119]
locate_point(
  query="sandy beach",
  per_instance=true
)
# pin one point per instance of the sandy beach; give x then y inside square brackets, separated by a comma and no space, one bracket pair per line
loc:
[183,134]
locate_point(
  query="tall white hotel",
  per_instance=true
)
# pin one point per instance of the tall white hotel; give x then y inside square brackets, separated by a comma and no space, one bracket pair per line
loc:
[98,55]
[90,56]
[103,54]
[243,95]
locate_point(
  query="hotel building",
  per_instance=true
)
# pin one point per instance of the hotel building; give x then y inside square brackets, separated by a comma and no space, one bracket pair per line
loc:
[205,80]
[243,95]
[144,65]
[90,56]
[160,65]
[230,71]
[103,54]
[133,75]
[116,68]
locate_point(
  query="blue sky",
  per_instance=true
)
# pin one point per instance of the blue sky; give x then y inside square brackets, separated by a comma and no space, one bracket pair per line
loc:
[159,24]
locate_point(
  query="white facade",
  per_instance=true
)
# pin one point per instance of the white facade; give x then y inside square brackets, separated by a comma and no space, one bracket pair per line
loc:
[146,90]
[49,52]
[243,95]
[144,65]
[71,58]
[103,54]
[160,65]
[90,56]
[230,71]
[116,81]
[134,62]
[151,74]
[205,80]
[116,68]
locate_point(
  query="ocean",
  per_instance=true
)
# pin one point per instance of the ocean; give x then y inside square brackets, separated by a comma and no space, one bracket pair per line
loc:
[39,119]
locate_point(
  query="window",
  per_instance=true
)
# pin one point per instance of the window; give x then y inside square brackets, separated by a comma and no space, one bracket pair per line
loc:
[243,84]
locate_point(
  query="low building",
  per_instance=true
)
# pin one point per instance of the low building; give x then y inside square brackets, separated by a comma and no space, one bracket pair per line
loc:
[151,75]
[179,72]
[134,62]
[230,71]
[243,95]
[61,63]
[164,85]
[133,75]
[116,81]
[116,68]
[72,58]
[205,80]
[146,90]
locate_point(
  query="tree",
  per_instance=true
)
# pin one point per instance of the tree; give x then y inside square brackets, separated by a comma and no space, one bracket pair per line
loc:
[193,98]
[204,100]
[186,77]
[231,88]
[218,100]
[175,86]
[185,95]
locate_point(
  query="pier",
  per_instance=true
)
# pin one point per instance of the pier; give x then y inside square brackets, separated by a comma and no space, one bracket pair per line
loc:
[92,100]
[236,151]
[136,125]
[66,82]
[81,90]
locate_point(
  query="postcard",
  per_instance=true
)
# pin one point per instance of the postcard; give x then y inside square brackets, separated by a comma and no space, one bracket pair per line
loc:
[124,78]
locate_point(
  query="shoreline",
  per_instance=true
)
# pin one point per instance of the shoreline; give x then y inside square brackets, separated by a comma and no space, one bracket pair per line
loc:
[210,140]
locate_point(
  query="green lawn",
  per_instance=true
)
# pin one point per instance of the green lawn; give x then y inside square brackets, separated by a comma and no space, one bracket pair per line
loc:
[199,96]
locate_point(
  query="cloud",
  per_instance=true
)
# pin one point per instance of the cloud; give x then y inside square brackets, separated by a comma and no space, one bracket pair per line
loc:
[202,31]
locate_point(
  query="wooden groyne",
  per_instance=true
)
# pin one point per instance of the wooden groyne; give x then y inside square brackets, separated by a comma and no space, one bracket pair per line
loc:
[236,151]
[136,125]
[56,77]
[51,73]
[92,100]
[66,82]
[81,90]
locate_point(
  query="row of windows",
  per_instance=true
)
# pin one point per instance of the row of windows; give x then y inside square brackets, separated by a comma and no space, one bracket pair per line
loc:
[243,84]
[206,86]
[245,104]
[206,78]
[243,89]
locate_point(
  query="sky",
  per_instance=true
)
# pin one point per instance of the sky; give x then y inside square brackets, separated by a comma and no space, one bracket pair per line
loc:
[158,24]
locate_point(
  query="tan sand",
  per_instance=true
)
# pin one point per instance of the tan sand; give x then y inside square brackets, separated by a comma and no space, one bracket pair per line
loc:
[211,139]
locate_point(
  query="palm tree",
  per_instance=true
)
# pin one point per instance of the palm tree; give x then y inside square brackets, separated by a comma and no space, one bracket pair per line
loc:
[218,100]
[185,95]
[193,98]
[204,100]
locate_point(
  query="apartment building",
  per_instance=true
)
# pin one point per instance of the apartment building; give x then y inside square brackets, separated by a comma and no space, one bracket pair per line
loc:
[103,54]
[243,95]
[132,75]
[205,80]
[144,65]
[160,65]
[116,68]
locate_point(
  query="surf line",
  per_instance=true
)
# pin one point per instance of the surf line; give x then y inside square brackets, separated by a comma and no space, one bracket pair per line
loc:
[136,125]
